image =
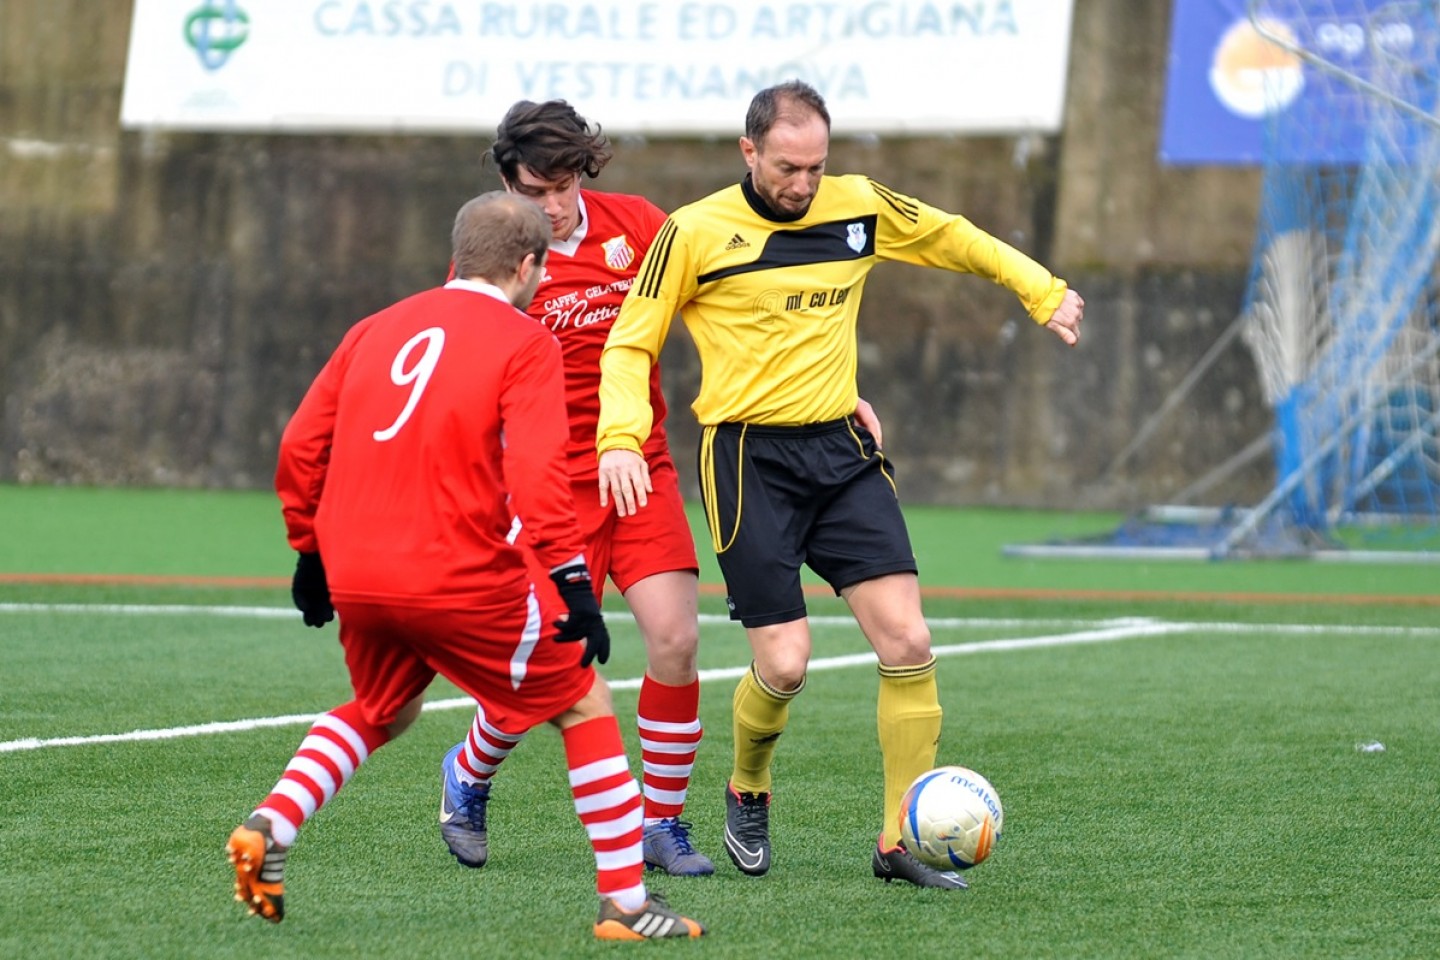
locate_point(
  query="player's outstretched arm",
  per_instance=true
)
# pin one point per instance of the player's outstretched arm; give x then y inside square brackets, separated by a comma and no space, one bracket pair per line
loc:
[624,477]
[1065,321]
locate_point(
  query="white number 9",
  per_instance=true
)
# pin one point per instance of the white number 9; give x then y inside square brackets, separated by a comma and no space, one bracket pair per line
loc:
[419,375]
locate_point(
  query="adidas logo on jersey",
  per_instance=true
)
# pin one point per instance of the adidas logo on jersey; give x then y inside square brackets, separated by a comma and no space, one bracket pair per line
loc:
[737,242]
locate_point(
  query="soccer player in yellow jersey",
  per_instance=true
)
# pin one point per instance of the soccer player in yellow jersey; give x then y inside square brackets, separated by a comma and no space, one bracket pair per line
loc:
[767,275]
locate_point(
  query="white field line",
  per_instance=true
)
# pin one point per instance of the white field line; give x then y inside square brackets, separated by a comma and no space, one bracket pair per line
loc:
[1100,631]
[159,610]
[289,613]
[939,623]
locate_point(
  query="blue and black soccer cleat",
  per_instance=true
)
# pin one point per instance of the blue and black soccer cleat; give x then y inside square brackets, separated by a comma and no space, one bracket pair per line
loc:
[462,815]
[668,848]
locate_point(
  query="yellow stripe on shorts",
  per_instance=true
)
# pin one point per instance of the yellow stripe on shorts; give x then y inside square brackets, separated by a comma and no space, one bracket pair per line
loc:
[707,487]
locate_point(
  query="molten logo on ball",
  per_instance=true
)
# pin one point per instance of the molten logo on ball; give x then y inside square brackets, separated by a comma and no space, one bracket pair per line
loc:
[950,818]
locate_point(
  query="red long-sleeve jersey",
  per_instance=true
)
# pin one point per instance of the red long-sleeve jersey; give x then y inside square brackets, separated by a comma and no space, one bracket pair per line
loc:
[586,278]
[435,423]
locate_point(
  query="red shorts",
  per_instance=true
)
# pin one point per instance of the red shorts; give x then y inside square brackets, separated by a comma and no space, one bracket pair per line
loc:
[504,655]
[629,549]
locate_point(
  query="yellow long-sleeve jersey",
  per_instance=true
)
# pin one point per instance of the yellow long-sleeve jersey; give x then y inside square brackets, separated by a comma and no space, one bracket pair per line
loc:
[772,303]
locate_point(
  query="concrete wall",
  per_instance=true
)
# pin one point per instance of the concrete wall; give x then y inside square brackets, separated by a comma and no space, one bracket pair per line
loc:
[165,299]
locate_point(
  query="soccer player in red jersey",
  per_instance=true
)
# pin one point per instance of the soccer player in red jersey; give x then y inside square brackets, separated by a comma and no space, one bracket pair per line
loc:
[542,152]
[597,240]
[436,425]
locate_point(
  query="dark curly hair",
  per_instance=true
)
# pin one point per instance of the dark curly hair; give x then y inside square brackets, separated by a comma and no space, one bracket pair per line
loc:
[549,138]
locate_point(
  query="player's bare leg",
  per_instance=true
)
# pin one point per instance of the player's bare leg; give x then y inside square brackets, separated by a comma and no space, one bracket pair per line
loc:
[666,609]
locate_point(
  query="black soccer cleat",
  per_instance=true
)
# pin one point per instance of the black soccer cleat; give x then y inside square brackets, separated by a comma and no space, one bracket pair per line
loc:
[747,831]
[897,863]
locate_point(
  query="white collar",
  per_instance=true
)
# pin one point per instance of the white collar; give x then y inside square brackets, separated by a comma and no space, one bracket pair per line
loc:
[475,286]
[570,244]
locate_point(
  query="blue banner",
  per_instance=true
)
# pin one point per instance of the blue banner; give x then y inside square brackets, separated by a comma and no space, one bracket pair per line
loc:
[1227,80]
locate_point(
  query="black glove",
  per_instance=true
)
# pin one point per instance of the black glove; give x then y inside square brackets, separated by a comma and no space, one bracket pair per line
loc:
[310,591]
[585,622]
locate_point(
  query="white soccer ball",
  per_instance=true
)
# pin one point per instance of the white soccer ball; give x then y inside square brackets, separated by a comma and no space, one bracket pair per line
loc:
[950,818]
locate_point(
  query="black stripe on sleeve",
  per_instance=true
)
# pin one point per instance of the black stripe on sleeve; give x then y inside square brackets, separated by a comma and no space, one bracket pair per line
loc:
[900,205]
[655,261]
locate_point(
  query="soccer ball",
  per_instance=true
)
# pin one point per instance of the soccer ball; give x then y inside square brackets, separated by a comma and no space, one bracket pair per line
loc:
[950,818]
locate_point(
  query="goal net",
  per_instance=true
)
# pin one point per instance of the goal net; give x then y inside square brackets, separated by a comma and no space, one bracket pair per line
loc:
[1343,308]
[1342,311]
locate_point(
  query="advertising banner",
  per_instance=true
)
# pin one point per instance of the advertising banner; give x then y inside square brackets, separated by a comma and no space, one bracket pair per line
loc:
[1226,79]
[975,66]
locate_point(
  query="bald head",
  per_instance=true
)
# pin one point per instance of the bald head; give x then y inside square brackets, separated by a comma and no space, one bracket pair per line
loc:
[494,234]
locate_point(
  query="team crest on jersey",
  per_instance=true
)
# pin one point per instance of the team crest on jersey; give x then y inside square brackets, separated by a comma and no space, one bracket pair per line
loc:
[855,238]
[618,252]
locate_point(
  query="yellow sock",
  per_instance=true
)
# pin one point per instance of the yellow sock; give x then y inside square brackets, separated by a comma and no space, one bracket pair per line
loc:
[908,718]
[760,714]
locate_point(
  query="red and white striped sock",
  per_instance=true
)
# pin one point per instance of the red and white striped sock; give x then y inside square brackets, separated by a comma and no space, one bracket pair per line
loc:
[670,732]
[607,799]
[485,748]
[325,761]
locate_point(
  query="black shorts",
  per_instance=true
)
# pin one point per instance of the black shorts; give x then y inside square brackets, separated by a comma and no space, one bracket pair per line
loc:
[777,497]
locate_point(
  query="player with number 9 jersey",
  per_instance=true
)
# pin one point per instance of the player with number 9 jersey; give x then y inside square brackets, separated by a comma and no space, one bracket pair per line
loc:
[415,508]
[432,434]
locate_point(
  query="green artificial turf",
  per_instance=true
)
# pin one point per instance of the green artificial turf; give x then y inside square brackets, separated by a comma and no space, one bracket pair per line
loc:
[1177,749]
